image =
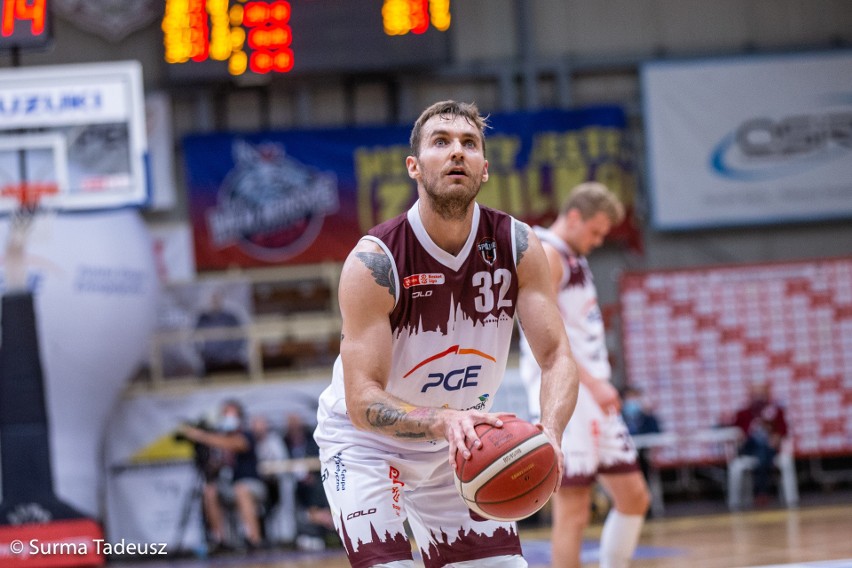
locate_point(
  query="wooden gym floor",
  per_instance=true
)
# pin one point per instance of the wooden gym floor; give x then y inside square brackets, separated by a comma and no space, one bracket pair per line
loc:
[812,536]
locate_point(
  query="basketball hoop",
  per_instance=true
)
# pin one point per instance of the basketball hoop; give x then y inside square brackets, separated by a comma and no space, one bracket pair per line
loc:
[29,194]
[29,197]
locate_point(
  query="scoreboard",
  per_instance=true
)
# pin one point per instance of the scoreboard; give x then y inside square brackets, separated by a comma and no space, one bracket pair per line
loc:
[24,24]
[215,39]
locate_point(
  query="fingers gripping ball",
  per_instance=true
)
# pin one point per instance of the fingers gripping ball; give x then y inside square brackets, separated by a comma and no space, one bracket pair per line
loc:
[512,475]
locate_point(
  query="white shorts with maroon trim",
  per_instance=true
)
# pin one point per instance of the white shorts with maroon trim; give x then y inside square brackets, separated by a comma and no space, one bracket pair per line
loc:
[595,443]
[372,491]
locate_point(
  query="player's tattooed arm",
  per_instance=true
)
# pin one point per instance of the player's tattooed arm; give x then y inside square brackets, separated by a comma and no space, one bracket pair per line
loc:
[380,265]
[522,239]
[402,421]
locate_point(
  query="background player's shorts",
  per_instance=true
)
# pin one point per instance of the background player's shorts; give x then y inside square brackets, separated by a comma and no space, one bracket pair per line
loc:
[595,442]
[372,491]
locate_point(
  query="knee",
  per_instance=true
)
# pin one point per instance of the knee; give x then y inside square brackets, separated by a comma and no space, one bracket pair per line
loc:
[244,497]
[578,521]
[211,493]
[635,501]
[570,516]
[243,492]
[643,500]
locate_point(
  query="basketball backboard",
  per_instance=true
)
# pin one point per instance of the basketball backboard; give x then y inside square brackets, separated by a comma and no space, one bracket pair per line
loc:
[78,127]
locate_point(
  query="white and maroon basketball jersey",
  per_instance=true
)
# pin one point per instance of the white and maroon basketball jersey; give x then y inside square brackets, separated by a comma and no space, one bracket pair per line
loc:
[452,320]
[578,305]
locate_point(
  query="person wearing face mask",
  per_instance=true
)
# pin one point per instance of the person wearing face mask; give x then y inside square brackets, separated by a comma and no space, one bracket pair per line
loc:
[639,420]
[238,483]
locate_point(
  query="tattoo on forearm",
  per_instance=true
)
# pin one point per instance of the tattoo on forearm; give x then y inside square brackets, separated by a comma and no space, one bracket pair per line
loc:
[413,435]
[522,242]
[409,422]
[380,265]
[381,416]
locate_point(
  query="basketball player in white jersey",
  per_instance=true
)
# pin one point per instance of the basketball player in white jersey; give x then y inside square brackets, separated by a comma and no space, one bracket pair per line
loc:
[596,445]
[428,301]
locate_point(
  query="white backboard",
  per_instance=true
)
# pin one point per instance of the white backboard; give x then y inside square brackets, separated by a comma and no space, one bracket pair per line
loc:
[79,126]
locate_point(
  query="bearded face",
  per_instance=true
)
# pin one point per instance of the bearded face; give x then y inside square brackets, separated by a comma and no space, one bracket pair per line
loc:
[451,193]
[451,165]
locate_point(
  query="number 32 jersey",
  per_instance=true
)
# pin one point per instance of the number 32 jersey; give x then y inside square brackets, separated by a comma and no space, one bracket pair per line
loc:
[451,323]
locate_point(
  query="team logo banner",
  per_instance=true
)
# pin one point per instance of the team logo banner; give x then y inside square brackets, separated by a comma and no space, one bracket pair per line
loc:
[749,140]
[307,196]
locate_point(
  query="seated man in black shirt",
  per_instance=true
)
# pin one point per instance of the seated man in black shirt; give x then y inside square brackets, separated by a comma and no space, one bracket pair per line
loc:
[220,353]
[238,481]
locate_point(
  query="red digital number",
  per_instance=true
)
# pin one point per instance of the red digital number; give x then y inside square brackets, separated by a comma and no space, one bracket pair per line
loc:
[419,16]
[269,37]
[199,31]
[22,10]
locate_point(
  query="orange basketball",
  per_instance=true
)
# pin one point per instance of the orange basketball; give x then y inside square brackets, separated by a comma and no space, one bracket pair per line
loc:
[512,475]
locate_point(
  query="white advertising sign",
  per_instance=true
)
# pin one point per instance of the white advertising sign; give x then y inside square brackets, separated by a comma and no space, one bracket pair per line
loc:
[97,110]
[750,140]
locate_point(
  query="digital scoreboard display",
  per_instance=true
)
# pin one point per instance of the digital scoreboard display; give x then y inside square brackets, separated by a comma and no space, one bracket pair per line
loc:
[24,24]
[215,39]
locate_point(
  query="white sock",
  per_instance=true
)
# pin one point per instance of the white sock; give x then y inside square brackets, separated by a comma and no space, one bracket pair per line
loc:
[619,538]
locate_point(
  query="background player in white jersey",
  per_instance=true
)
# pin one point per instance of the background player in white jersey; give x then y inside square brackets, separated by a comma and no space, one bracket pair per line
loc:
[428,302]
[596,443]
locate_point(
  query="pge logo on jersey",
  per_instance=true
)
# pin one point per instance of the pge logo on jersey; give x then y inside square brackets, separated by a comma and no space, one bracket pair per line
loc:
[456,378]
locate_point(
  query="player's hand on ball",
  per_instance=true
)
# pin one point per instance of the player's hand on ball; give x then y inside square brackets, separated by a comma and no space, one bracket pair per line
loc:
[460,431]
[512,474]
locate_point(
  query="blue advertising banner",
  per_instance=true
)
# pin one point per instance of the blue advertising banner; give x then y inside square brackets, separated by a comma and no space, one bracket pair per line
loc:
[307,196]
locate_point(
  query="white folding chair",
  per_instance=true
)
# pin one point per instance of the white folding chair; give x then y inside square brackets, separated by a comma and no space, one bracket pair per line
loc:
[740,486]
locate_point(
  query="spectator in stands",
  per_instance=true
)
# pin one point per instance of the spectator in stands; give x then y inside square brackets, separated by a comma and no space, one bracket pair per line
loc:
[269,447]
[764,426]
[638,416]
[220,354]
[310,495]
[640,419]
[279,486]
[238,482]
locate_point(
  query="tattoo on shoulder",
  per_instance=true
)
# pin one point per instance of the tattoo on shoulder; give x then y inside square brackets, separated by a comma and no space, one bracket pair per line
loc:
[380,265]
[522,239]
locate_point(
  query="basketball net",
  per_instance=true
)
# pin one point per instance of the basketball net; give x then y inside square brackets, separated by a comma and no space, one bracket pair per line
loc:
[21,221]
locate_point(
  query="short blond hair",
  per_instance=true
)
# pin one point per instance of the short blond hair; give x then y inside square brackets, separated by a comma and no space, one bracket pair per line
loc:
[452,109]
[591,198]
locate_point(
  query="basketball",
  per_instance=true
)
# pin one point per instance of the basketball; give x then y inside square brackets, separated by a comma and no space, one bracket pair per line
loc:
[512,475]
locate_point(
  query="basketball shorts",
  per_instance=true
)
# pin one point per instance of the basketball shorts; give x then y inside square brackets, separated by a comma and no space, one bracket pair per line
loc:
[227,489]
[595,443]
[371,492]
